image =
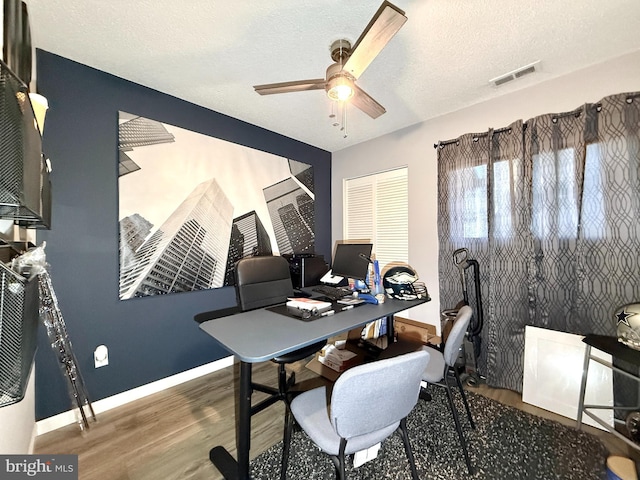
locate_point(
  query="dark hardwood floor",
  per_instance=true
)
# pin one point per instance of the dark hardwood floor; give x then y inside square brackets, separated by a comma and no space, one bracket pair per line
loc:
[168,435]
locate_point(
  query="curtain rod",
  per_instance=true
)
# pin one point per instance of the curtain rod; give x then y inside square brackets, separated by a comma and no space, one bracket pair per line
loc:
[479,135]
[576,113]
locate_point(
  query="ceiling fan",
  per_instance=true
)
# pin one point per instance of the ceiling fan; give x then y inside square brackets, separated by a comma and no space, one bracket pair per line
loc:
[349,63]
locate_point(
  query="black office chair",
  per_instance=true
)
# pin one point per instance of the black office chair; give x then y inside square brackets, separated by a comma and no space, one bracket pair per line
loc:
[261,282]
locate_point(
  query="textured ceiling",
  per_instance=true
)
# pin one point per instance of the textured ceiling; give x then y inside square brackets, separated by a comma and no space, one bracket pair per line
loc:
[212,52]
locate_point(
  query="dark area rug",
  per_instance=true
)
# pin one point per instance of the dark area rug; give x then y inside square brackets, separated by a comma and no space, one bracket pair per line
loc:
[506,444]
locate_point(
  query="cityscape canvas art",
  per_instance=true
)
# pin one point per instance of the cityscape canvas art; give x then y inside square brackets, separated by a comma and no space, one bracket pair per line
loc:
[191,205]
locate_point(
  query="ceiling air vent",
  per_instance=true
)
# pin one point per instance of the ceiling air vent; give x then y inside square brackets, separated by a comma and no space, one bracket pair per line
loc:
[515,74]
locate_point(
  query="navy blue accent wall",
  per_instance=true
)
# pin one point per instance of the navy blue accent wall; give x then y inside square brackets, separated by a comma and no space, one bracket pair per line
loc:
[148,338]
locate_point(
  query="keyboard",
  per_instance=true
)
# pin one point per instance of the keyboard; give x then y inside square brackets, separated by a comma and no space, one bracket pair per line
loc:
[334,293]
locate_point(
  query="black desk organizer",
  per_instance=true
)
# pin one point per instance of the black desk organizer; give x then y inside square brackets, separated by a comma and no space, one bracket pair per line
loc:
[25,188]
[18,333]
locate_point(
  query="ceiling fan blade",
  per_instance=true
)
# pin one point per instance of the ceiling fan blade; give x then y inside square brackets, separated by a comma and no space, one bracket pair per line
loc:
[368,105]
[287,87]
[381,29]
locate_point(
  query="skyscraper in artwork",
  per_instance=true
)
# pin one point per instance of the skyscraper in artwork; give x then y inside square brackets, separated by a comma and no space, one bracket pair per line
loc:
[292,218]
[303,172]
[138,132]
[248,238]
[188,251]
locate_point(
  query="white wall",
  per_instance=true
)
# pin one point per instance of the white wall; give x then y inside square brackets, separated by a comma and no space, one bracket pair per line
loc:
[18,422]
[413,146]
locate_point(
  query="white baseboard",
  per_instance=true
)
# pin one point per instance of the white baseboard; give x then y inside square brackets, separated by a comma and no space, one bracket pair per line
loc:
[32,442]
[67,418]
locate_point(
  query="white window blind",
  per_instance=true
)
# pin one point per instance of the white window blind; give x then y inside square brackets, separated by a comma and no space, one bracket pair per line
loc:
[376,208]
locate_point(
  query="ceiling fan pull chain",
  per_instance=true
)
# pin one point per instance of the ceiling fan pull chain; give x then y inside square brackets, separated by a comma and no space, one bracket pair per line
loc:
[332,115]
[344,119]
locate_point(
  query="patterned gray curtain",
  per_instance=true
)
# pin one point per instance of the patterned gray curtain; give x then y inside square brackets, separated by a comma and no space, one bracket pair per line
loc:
[550,209]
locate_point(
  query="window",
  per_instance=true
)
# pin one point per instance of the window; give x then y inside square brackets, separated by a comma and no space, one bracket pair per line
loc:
[471,188]
[468,196]
[376,208]
[555,205]
[594,223]
[556,199]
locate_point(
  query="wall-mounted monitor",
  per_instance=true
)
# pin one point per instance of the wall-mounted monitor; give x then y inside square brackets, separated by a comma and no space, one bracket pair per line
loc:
[351,260]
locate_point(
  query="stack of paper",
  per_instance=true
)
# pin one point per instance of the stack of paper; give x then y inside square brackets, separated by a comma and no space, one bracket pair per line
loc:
[315,306]
[337,359]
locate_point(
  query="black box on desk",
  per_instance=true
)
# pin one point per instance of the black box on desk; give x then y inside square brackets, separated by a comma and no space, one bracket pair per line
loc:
[306,270]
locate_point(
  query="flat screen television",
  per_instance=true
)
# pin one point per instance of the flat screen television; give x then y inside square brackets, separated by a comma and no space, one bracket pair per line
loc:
[351,260]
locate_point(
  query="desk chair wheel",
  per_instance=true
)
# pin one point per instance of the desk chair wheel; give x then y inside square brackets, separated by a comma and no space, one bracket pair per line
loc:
[472,380]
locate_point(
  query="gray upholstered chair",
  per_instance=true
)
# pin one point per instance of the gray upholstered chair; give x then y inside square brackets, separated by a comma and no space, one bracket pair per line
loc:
[261,282]
[442,364]
[368,403]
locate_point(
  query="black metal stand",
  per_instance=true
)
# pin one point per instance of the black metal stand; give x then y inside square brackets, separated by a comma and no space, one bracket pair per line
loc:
[616,349]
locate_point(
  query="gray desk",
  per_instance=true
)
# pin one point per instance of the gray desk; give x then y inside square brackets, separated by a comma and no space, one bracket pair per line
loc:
[260,335]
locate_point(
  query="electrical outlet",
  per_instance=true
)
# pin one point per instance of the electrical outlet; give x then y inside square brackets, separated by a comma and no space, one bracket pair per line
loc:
[101,356]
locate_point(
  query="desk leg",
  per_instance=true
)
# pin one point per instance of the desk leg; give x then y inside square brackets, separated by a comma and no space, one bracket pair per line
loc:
[583,385]
[243,434]
[219,456]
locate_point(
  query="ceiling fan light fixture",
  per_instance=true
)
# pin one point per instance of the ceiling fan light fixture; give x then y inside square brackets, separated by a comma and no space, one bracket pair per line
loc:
[340,88]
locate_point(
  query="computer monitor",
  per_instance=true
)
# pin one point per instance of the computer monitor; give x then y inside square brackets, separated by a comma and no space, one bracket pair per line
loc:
[351,260]
[306,270]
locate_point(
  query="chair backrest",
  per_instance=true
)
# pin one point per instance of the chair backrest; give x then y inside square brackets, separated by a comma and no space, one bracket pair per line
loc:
[456,336]
[376,395]
[262,281]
